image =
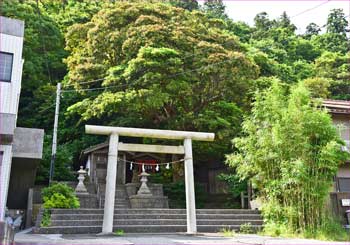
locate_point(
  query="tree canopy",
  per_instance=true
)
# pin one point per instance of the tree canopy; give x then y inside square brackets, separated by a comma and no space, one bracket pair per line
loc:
[163,67]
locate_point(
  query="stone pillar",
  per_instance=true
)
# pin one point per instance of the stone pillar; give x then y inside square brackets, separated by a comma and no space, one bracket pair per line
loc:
[108,214]
[189,182]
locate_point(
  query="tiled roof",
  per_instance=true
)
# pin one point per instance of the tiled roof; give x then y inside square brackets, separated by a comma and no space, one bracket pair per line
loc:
[337,106]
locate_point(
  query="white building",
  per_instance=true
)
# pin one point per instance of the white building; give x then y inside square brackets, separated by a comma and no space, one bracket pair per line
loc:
[21,144]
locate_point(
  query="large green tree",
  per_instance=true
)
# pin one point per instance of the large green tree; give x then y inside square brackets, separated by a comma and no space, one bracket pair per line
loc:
[164,67]
[335,39]
[215,9]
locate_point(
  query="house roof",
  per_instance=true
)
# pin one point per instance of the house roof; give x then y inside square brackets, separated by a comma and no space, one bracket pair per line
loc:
[337,106]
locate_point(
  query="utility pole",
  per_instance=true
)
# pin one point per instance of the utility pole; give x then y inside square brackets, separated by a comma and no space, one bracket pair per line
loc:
[54,137]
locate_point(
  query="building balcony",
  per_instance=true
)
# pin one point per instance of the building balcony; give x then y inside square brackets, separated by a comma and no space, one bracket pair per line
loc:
[28,143]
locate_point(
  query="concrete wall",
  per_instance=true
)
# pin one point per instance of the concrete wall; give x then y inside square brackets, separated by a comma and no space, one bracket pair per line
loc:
[23,173]
[7,127]
[21,146]
[5,169]
[26,154]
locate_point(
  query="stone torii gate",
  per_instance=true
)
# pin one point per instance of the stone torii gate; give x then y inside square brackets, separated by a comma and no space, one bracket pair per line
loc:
[114,146]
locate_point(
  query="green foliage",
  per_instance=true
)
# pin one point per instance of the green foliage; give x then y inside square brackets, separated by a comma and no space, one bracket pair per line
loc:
[330,230]
[46,218]
[176,193]
[291,151]
[336,68]
[246,228]
[185,4]
[337,22]
[59,196]
[227,232]
[165,61]
[215,9]
[312,29]
[318,87]
[235,187]
[119,232]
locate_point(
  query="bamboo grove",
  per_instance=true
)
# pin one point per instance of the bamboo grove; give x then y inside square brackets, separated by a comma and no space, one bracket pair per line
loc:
[291,151]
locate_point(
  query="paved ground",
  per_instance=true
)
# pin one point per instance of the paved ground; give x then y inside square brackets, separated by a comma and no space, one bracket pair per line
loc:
[160,239]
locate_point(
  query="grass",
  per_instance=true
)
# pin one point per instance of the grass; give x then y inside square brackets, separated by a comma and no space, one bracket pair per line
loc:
[227,232]
[119,233]
[246,228]
[331,230]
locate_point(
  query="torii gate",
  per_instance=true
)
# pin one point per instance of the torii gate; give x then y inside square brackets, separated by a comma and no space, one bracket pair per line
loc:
[114,145]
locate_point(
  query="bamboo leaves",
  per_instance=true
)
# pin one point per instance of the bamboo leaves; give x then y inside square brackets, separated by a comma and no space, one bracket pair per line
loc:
[291,151]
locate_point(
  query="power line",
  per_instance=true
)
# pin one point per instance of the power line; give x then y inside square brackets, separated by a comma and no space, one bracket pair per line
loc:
[47,108]
[92,81]
[124,85]
[307,10]
[93,89]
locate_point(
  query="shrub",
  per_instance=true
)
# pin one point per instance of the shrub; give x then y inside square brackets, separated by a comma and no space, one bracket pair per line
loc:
[46,219]
[227,232]
[119,232]
[59,196]
[246,228]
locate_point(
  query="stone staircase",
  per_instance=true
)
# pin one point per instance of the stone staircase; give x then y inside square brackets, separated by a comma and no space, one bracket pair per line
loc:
[84,221]
[121,200]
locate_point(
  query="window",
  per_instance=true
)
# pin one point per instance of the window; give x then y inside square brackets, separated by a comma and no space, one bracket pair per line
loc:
[6,60]
[344,184]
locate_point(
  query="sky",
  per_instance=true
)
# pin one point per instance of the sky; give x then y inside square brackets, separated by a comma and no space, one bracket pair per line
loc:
[301,12]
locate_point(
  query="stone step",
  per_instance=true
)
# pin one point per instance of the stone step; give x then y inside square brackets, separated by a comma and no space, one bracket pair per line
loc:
[155,211]
[160,222]
[137,229]
[118,200]
[117,192]
[88,216]
[119,206]
[118,195]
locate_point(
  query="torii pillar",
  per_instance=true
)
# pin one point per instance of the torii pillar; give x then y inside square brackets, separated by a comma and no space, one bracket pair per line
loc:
[115,145]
